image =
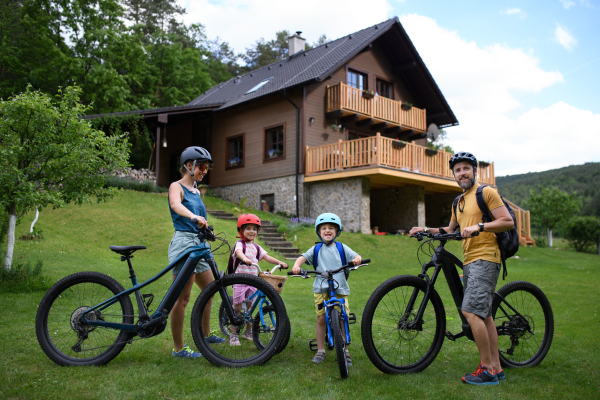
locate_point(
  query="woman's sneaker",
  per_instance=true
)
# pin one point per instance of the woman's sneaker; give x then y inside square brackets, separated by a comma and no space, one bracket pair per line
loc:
[212,339]
[186,352]
[233,340]
[481,376]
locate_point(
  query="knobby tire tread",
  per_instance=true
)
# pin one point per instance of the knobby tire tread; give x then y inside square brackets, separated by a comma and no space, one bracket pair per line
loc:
[339,342]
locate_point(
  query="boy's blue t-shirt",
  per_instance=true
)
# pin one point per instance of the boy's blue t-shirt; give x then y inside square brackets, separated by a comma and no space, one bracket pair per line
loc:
[329,258]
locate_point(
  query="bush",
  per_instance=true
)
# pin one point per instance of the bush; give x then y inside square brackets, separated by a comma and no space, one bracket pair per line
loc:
[541,242]
[131,184]
[583,233]
[22,278]
[293,225]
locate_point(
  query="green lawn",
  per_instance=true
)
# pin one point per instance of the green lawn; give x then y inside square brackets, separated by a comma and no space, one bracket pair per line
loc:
[76,238]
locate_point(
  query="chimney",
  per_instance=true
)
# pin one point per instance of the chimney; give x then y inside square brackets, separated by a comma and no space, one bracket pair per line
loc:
[296,43]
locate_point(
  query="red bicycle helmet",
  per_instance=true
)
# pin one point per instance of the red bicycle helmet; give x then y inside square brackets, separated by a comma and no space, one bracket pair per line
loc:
[246,219]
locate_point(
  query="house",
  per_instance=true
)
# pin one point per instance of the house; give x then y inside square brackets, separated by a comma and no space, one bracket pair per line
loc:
[339,128]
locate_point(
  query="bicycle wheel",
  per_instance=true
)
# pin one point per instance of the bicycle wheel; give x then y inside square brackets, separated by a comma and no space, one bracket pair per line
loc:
[246,353]
[263,333]
[59,332]
[394,345]
[523,342]
[224,322]
[339,341]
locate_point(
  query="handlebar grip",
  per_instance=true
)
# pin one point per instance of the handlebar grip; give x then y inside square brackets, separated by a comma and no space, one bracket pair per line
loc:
[194,221]
[290,273]
[365,261]
[282,267]
[475,233]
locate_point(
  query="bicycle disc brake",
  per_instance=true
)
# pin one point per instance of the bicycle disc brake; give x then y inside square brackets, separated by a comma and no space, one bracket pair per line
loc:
[406,326]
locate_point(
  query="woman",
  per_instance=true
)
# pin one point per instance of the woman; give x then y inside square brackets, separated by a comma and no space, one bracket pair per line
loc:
[186,204]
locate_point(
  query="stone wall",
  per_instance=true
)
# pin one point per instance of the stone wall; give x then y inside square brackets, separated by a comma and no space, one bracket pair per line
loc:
[139,175]
[398,208]
[348,198]
[283,189]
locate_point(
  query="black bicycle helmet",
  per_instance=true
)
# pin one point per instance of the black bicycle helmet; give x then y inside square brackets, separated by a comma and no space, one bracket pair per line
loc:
[463,156]
[195,153]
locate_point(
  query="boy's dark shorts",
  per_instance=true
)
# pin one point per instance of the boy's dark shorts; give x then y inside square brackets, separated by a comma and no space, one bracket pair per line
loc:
[480,278]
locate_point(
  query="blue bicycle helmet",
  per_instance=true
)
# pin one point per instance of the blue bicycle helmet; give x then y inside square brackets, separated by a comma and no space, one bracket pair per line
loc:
[328,218]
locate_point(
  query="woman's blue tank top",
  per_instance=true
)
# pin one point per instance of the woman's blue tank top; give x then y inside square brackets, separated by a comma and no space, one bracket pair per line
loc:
[193,202]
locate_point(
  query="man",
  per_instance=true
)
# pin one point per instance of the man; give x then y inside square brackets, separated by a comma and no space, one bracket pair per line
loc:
[482,262]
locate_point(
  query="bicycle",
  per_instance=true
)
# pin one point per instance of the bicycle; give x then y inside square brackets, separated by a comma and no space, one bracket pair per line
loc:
[404,322]
[264,323]
[87,318]
[336,323]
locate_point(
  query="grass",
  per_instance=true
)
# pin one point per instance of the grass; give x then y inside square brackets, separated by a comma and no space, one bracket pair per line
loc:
[76,238]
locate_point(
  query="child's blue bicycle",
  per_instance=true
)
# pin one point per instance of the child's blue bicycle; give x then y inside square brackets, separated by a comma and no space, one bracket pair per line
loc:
[337,322]
[258,312]
[87,318]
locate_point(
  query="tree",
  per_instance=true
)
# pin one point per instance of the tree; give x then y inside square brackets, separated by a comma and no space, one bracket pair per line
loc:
[49,156]
[264,53]
[551,207]
[583,232]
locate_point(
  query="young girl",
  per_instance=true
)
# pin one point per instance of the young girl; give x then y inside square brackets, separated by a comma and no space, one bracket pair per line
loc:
[185,204]
[247,252]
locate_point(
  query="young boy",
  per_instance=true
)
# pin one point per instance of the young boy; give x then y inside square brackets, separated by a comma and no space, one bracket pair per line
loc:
[328,227]
[248,227]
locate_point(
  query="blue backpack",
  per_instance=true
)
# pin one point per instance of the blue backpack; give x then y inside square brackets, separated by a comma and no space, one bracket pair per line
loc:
[340,249]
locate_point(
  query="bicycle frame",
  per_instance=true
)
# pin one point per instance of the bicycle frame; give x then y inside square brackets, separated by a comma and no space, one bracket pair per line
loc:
[259,301]
[329,304]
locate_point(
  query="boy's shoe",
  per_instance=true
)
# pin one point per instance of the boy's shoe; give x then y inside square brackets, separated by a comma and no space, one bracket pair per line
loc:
[500,375]
[348,359]
[481,377]
[233,340]
[319,357]
[247,335]
[186,352]
[212,339]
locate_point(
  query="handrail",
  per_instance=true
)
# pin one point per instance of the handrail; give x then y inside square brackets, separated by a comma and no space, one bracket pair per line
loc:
[523,220]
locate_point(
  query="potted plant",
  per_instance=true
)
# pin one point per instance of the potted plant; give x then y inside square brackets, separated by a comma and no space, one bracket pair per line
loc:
[233,162]
[398,144]
[431,152]
[483,164]
[274,153]
[203,187]
[406,106]
[368,94]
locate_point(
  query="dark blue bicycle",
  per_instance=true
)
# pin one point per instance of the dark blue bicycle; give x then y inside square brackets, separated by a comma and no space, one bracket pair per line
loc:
[87,318]
[336,319]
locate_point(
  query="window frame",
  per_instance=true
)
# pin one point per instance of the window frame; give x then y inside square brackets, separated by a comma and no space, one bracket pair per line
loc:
[391,83]
[357,71]
[266,130]
[228,142]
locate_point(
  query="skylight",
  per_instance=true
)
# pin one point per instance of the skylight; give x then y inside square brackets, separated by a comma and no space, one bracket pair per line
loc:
[263,83]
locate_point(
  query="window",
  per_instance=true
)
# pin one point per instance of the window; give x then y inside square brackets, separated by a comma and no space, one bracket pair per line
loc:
[357,80]
[263,83]
[235,151]
[384,88]
[267,202]
[274,143]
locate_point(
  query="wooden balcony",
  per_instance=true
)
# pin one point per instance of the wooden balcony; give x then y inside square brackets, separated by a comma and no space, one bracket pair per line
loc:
[381,152]
[343,100]
[523,225]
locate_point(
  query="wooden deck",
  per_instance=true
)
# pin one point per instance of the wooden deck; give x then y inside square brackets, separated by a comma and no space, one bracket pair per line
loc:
[348,100]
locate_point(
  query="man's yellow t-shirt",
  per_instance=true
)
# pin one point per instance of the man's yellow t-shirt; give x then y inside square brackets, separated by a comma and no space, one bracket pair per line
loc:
[484,246]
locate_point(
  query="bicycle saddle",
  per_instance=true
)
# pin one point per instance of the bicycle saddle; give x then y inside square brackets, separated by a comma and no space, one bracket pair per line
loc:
[126,250]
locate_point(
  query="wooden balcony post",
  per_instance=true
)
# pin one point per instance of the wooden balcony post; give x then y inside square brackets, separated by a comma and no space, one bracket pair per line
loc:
[339,165]
[307,166]
[343,96]
[377,149]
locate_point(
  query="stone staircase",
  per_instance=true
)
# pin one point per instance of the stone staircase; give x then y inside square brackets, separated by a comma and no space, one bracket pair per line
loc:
[268,232]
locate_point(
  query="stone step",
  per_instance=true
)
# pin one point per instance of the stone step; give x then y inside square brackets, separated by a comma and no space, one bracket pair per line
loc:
[278,244]
[266,223]
[278,239]
[285,250]
[292,256]
[266,236]
[269,229]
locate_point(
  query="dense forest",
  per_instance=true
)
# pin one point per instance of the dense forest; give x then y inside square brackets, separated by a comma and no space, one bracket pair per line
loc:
[124,54]
[581,179]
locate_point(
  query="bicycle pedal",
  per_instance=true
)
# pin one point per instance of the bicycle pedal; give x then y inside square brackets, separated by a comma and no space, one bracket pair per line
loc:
[450,336]
[351,318]
[313,345]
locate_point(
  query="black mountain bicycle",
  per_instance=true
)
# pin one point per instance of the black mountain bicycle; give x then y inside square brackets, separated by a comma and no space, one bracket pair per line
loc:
[87,318]
[404,322]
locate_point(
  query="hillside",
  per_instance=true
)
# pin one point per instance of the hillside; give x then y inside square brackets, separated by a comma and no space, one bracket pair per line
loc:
[583,179]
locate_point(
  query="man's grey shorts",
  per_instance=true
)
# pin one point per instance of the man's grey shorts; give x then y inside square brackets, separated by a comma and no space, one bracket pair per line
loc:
[480,278]
[179,244]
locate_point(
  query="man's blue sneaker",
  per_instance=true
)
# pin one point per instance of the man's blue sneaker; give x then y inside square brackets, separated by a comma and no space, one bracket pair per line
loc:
[212,339]
[481,377]
[500,375]
[186,352]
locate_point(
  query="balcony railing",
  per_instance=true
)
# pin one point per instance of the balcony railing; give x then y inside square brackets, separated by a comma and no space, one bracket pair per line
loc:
[350,100]
[378,151]
[523,224]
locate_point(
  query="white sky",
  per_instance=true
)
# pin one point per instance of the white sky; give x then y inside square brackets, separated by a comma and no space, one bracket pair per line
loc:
[525,90]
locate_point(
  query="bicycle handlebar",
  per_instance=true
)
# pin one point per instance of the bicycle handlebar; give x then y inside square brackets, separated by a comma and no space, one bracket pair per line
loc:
[441,236]
[304,273]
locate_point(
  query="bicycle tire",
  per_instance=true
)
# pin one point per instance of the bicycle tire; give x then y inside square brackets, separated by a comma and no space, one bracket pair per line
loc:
[258,330]
[247,353]
[56,320]
[532,303]
[339,341]
[390,345]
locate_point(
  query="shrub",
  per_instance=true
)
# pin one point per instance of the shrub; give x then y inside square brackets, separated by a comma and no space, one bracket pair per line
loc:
[293,225]
[126,183]
[583,233]
[23,278]
[541,242]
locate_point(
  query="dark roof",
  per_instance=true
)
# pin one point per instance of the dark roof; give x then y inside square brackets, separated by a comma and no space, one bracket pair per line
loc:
[319,63]
[153,112]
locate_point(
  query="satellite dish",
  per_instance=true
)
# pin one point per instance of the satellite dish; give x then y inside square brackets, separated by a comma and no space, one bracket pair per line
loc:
[432,132]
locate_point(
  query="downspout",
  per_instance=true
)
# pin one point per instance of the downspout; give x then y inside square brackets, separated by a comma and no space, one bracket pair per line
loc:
[297,150]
